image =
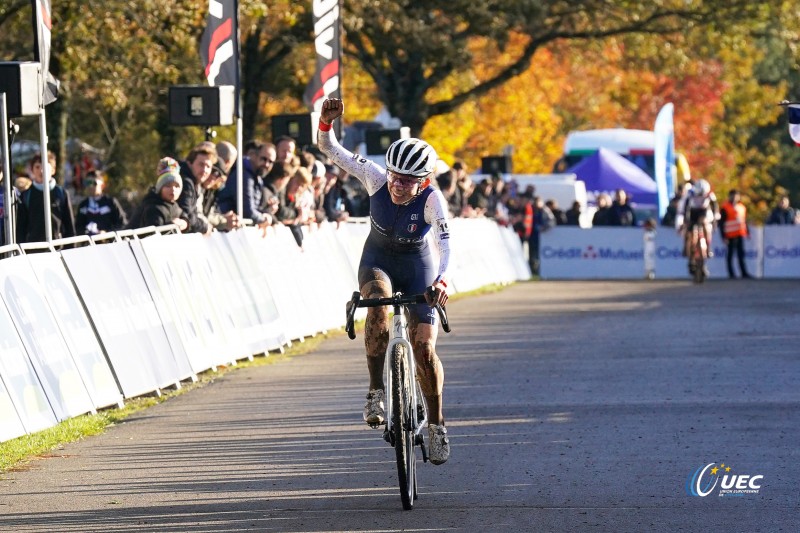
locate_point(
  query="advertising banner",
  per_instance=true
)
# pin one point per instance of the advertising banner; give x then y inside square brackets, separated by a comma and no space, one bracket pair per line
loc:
[233,291]
[21,384]
[76,329]
[254,280]
[10,424]
[782,252]
[125,317]
[189,305]
[598,253]
[42,339]
[169,319]
[671,264]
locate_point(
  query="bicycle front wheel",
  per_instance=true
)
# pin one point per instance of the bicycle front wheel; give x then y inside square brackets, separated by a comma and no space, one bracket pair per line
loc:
[401,426]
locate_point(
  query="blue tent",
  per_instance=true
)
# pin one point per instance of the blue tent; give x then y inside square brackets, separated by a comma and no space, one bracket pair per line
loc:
[607,171]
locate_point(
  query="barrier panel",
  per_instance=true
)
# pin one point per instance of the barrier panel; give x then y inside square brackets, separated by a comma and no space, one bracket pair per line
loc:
[20,381]
[10,424]
[119,303]
[618,253]
[183,269]
[256,289]
[781,251]
[671,264]
[163,304]
[90,326]
[42,339]
[76,329]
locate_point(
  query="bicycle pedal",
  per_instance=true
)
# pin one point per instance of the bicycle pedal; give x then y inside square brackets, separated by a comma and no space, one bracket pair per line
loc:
[424,451]
[388,437]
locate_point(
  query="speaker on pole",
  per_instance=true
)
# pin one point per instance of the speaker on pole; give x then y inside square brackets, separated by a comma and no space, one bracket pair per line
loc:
[198,105]
[496,164]
[21,82]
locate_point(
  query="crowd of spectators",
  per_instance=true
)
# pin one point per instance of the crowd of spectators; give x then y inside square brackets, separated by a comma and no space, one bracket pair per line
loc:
[284,184]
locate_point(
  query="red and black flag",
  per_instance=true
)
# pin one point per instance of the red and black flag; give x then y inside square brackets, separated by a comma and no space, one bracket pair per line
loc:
[42,27]
[219,46]
[327,42]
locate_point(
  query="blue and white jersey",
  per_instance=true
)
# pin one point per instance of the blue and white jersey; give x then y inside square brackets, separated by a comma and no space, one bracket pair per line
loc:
[397,229]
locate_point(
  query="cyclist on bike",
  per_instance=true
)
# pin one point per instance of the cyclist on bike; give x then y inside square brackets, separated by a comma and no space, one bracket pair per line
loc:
[699,207]
[403,207]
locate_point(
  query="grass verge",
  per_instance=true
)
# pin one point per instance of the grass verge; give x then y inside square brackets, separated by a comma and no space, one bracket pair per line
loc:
[16,454]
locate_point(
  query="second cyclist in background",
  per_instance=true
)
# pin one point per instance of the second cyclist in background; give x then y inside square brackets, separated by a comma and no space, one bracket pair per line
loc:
[700,206]
[403,208]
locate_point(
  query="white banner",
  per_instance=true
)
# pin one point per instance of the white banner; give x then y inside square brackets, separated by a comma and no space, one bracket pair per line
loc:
[599,253]
[51,358]
[76,329]
[782,251]
[19,377]
[126,319]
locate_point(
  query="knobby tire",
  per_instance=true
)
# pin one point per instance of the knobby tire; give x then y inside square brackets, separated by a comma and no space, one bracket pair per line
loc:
[401,426]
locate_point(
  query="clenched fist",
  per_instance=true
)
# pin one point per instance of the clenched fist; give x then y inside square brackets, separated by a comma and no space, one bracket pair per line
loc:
[332,108]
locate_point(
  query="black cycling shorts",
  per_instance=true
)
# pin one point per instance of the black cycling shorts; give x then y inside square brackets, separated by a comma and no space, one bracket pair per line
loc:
[408,273]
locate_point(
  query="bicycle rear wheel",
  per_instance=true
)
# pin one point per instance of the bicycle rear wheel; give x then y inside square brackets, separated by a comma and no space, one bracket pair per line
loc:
[401,426]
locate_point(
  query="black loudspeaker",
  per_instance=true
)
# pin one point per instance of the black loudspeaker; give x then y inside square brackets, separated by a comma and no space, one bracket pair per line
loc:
[302,128]
[21,82]
[198,105]
[496,164]
[378,141]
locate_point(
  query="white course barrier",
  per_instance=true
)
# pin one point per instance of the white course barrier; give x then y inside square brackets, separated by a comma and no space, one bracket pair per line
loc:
[137,312]
[619,253]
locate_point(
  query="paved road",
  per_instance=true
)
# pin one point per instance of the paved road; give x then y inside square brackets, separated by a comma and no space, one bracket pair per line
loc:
[572,406]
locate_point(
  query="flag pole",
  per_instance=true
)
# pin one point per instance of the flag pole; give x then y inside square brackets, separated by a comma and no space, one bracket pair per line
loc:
[8,200]
[239,122]
[48,222]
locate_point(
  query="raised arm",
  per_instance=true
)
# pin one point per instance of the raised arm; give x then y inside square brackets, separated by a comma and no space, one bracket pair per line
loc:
[370,174]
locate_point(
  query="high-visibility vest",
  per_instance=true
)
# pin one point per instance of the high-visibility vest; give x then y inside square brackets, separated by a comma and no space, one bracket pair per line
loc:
[735,220]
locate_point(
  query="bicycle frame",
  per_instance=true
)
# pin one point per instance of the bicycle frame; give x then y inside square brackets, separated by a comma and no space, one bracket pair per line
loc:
[400,336]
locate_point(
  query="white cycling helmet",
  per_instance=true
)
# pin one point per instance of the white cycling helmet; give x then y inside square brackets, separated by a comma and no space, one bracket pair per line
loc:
[412,157]
[701,188]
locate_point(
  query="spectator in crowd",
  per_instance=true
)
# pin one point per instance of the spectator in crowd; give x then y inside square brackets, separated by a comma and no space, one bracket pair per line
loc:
[558,214]
[98,212]
[335,202]
[672,208]
[216,182]
[285,147]
[30,209]
[543,220]
[160,205]
[448,183]
[621,213]
[733,226]
[14,195]
[291,212]
[196,171]
[478,202]
[603,214]
[357,195]
[782,214]
[317,191]
[573,214]
[226,154]
[520,212]
[274,187]
[256,164]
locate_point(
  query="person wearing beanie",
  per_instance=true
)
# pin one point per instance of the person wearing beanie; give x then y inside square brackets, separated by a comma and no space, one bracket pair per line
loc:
[160,205]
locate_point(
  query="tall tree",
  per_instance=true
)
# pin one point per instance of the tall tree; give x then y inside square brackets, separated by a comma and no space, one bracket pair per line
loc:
[409,48]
